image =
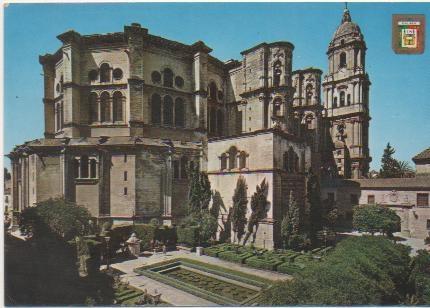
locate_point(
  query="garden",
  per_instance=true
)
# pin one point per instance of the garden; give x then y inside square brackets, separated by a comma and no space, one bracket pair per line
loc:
[284,261]
[211,282]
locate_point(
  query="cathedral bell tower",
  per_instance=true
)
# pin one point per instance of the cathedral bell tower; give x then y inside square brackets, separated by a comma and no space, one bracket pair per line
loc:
[346,102]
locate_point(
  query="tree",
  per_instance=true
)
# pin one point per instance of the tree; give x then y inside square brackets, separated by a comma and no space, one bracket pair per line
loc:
[313,195]
[290,226]
[56,217]
[199,194]
[238,214]
[389,164]
[6,175]
[208,227]
[258,208]
[375,218]
[404,169]
[419,279]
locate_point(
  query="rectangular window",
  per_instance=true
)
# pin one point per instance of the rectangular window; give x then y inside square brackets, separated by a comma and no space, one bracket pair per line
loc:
[422,199]
[371,199]
[125,191]
[125,175]
[354,199]
[125,158]
[428,224]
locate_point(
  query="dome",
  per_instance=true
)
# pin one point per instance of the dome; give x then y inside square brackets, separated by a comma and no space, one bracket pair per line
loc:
[347,27]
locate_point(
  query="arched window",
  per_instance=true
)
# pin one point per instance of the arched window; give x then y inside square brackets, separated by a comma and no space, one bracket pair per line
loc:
[342,98]
[309,93]
[84,166]
[105,107]
[179,112]
[291,159]
[156,109]
[213,91]
[242,160]
[175,169]
[94,108]
[335,102]
[104,73]
[184,166]
[285,161]
[342,59]
[277,72]
[168,111]
[223,161]
[232,157]
[220,122]
[348,99]
[117,107]
[168,77]
[93,168]
[296,163]
[212,120]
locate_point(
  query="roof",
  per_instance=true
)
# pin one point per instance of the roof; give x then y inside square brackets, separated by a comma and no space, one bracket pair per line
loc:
[102,141]
[395,183]
[347,27]
[424,155]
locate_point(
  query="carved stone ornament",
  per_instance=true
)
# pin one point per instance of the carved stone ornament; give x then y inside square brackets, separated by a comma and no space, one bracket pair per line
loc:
[394,196]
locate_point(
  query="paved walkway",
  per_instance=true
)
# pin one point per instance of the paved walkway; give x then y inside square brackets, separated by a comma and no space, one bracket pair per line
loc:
[172,295]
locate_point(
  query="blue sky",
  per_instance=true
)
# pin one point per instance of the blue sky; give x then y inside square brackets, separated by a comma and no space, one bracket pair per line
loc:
[399,95]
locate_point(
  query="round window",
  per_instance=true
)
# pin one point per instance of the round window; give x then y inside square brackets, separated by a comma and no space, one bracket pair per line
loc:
[92,75]
[117,74]
[179,81]
[156,77]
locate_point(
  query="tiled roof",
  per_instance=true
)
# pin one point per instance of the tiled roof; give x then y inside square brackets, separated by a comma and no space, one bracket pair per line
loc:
[395,183]
[424,155]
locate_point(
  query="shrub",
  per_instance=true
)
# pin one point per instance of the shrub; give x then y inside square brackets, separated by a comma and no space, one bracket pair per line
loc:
[166,235]
[145,233]
[119,234]
[362,270]
[290,268]
[188,235]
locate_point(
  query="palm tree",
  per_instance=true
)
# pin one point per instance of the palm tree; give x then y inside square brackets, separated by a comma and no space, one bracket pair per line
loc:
[404,169]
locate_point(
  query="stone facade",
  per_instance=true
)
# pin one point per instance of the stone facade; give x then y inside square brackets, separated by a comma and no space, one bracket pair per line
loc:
[128,113]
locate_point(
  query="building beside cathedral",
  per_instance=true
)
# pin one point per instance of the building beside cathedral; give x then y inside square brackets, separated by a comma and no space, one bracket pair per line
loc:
[128,113]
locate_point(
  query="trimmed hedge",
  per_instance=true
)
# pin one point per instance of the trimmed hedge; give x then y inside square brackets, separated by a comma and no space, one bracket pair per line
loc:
[188,235]
[263,263]
[290,268]
[235,257]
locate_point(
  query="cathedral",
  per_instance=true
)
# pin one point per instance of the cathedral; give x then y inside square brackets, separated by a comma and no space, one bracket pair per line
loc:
[127,114]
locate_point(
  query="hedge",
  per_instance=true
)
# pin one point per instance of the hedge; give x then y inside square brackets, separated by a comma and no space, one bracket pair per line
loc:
[290,268]
[263,263]
[188,235]
[235,257]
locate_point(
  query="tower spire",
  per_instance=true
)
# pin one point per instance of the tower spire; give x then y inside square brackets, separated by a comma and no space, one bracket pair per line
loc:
[346,16]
